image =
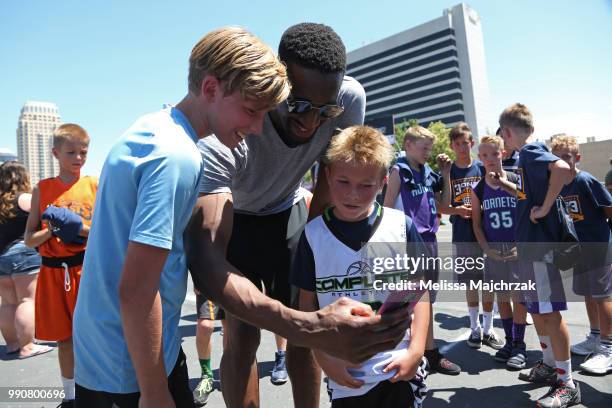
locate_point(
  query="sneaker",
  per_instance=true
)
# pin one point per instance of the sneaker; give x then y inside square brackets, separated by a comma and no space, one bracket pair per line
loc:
[518,356]
[66,404]
[599,363]
[492,340]
[540,374]
[202,391]
[440,364]
[505,352]
[560,396]
[279,372]
[475,339]
[587,346]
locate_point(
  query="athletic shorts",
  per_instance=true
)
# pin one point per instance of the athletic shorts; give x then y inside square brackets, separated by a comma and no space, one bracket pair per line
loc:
[18,259]
[596,283]
[56,296]
[549,295]
[178,385]
[432,274]
[262,248]
[467,250]
[498,271]
[207,309]
[384,395]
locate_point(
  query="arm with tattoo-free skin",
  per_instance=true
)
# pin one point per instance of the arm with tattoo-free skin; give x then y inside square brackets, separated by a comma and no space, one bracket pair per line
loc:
[560,174]
[346,329]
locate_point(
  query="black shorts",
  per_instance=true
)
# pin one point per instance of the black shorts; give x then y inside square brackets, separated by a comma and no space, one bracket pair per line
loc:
[178,385]
[207,309]
[262,248]
[385,395]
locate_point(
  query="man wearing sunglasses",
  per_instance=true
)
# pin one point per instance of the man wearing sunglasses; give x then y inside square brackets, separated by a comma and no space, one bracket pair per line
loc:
[251,207]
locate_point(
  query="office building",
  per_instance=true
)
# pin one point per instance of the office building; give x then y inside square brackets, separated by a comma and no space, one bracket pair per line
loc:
[432,72]
[37,122]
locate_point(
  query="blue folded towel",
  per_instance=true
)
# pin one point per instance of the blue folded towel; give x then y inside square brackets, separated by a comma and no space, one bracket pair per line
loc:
[64,224]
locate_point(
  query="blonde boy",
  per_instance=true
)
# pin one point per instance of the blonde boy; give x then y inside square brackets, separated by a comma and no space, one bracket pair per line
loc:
[590,206]
[58,224]
[541,178]
[494,219]
[356,169]
[419,191]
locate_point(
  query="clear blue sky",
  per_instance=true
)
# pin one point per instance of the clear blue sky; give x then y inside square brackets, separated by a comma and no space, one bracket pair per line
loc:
[105,63]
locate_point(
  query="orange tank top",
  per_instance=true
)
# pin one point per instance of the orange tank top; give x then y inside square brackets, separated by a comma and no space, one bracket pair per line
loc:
[78,197]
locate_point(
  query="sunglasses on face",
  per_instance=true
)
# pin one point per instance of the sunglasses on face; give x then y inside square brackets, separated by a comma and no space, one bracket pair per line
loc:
[300,106]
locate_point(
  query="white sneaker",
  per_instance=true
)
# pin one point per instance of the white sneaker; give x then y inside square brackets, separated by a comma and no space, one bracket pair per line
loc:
[600,363]
[586,347]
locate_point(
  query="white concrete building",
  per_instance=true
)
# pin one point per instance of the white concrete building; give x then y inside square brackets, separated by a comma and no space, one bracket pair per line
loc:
[433,72]
[37,122]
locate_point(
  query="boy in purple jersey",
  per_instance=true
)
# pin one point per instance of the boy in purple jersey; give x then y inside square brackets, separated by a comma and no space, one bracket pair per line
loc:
[465,173]
[414,188]
[590,206]
[493,219]
[535,222]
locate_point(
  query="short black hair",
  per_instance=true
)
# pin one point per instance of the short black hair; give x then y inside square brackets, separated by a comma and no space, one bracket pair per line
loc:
[315,46]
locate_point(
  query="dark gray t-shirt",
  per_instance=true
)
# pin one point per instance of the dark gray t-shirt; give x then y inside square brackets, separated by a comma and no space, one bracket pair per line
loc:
[262,173]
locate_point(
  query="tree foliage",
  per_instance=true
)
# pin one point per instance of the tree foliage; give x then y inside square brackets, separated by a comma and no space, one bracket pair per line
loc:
[441,145]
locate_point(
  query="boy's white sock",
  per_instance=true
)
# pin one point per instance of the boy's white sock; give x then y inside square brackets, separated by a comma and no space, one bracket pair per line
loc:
[68,384]
[487,322]
[474,321]
[548,356]
[564,372]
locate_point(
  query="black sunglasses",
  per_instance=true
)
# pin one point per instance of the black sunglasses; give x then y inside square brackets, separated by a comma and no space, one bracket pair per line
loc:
[299,106]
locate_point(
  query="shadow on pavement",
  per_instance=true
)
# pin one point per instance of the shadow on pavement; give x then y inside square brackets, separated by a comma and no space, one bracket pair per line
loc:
[508,396]
[499,397]
[450,322]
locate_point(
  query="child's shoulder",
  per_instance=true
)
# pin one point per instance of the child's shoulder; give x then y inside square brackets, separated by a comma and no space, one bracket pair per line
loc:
[585,177]
[393,216]
[536,152]
[47,183]
[393,213]
[92,180]
[316,221]
[586,183]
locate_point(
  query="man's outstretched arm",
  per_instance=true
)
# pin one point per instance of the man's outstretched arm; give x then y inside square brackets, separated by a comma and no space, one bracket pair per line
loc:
[346,329]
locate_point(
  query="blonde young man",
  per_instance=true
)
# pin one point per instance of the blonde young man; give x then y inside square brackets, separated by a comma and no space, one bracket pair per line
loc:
[127,345]
[590,206]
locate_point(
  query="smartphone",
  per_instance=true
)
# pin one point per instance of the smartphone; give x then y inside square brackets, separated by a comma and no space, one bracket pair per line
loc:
[399,298]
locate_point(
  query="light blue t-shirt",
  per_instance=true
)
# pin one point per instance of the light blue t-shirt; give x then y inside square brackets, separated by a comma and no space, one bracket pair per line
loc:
[146,194]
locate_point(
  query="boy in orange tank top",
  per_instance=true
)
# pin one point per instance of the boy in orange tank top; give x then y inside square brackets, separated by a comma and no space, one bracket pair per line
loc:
[58,225]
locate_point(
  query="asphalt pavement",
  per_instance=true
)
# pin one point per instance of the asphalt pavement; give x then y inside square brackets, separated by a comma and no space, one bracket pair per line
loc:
[482,383]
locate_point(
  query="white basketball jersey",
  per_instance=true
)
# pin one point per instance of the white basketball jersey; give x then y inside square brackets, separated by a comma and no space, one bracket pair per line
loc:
[342,271]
